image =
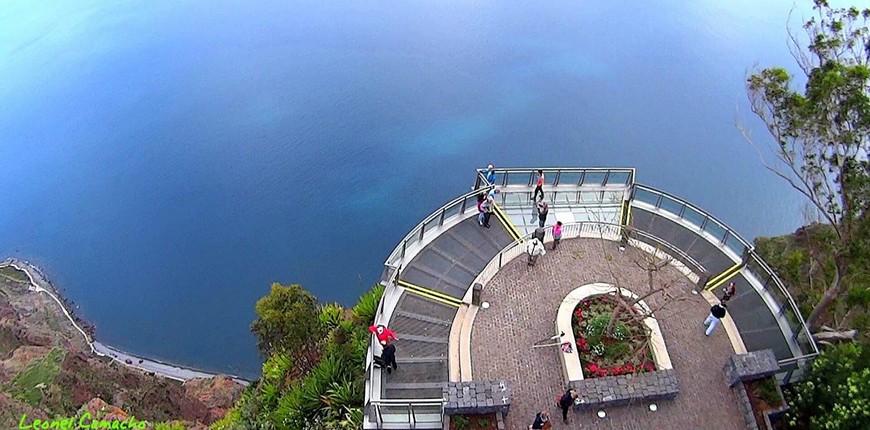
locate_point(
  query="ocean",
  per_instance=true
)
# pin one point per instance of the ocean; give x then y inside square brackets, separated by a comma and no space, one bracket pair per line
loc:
[164,162]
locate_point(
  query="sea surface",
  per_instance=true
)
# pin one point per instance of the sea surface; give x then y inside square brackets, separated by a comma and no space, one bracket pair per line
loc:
[165,161]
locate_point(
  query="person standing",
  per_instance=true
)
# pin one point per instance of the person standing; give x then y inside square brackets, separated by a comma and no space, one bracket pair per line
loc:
[565,403]
[542,421]
[543,210]
[717,312]
[728,292]
[389,357]
[489,173]
[535,249]
[488,207]
[557,234]
[480,212]
[383,334]
[539,185]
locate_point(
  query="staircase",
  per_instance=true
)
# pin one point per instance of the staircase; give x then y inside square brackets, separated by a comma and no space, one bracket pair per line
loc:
[443,271]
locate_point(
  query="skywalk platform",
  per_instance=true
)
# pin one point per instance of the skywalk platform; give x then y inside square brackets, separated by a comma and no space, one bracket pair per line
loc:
[429,276]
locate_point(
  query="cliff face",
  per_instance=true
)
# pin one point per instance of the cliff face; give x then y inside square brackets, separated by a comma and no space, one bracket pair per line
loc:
[47,370]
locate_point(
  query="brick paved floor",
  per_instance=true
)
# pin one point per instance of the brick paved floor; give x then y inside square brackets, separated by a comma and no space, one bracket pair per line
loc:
[524,301]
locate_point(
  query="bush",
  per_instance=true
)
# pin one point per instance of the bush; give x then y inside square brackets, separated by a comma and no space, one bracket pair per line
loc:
[287,319]
[460,422]
[834,394]
[367,306]
[331,315]
[767,391]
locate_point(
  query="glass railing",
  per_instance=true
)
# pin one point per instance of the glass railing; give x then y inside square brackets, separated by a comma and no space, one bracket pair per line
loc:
[784,308]
[423,413]
[554,177]
[595,230]
[455,207]
[701,220]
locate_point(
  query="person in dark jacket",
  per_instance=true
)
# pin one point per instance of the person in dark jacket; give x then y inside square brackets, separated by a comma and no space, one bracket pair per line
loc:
[389,357]
[728,292]
[565,403]
[542,419]
[717,312]
[543,210]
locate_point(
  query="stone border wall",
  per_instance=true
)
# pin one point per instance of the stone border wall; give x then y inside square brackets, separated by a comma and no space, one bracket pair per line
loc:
[745,406]
[625,389]
[752,366]
[476,397]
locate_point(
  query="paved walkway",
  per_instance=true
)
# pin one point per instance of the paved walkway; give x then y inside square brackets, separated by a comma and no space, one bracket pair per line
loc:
[524,302]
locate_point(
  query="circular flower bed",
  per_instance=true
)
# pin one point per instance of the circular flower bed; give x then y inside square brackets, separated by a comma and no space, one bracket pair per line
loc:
[607,349]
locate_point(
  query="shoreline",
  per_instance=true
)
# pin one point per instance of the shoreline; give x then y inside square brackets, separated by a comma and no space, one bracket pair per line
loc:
[40,284]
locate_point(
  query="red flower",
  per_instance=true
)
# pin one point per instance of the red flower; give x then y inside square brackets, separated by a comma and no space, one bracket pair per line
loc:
[593,368]
[578,312]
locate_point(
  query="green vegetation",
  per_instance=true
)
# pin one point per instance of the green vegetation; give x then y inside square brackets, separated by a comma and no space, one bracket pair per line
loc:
[821,138]
[834,394]
[169,426]
[767,391]
[622,350]
[28,385]
[13,273]
[804,262]
[460,422]
[315,361]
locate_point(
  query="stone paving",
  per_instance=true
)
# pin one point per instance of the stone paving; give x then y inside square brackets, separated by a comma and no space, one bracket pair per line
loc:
[524,301]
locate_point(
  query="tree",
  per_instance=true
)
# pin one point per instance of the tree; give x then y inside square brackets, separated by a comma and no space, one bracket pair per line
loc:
[820,134]
[288,322]
[834,394]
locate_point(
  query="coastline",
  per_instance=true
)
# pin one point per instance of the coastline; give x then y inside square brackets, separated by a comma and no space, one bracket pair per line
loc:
[40,284]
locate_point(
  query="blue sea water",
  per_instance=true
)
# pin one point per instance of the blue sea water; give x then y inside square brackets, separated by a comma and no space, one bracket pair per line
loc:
[166,161]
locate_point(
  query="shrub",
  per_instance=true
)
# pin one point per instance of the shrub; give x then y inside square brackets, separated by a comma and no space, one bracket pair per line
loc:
[834,393]
[331,315]
[367,306]
[767,391]
[460,422]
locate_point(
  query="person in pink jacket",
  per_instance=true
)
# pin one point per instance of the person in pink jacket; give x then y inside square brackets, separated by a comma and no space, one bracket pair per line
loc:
[557,233]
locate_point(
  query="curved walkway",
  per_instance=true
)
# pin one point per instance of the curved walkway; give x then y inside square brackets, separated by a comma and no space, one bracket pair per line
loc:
[523,308]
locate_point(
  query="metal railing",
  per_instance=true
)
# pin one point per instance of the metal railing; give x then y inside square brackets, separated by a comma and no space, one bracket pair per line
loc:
[558,176]
[457,206]
[409,412]
[596,230]
[725,237]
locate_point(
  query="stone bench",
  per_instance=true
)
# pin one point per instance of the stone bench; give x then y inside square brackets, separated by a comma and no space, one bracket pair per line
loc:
[625,389]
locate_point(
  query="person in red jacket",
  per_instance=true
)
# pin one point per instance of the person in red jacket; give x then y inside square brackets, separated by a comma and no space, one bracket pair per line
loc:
[383,333]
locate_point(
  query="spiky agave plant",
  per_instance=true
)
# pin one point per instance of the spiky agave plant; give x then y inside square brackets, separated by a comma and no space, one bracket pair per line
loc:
[331,315]
[367,306]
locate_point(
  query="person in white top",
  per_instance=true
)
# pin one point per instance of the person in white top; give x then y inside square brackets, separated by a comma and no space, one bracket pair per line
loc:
[535,249]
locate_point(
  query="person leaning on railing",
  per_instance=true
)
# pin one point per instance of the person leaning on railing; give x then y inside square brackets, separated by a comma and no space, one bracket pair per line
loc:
[489,173]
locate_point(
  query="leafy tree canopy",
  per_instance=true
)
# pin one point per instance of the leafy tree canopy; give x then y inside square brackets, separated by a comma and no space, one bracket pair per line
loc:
[822,135]
[834,395]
